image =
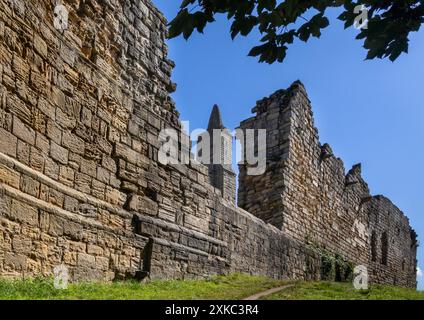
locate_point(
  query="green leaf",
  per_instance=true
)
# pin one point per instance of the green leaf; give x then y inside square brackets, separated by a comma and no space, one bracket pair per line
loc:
[185,3]
[389,22]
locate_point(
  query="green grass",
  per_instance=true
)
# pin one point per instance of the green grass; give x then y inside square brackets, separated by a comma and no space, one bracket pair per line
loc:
[344,291]
[235,286]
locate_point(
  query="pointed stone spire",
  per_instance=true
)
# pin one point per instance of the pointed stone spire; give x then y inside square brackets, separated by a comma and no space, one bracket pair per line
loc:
[221,174]
[215,119]
[219,149]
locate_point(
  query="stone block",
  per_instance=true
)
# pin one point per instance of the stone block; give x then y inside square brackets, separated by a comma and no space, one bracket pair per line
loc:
[54,132]
[21,245]
[23,132]
[68,55]
[83,182]
[55,197]
[36,160]
[40,46]
[86,117]
[42,144]
[98,189]
[113,196]
[47,108]
[192,221]
[80,274]
[103,175]
[44,219]
[126,153]
[102,263]
[56,226]
[23,152]
[38,83]
[58,98]
[66,175]
[14,261]
[51,169]
[73,230]
[20,68]
[9,176]
[64,120]
[8,143]
[166,215]
[89,167]
[109,163]
[71,204]
[94,250]
[143,205]
[73,143]
[24,213]
[59,153]
[86,260]
[70,258]
[76,246]
[30,186]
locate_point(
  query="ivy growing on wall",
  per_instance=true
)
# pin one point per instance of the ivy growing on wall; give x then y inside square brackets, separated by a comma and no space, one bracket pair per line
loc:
[333,266]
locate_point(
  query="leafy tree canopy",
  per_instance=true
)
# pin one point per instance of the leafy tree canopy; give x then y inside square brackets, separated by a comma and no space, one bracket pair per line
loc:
[281,22]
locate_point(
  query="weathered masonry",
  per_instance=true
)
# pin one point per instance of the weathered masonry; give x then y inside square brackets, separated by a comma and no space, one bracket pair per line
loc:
[306,194]
[81,185]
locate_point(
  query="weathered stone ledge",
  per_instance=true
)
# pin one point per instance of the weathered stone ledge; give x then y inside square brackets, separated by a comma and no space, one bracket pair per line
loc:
[22,168]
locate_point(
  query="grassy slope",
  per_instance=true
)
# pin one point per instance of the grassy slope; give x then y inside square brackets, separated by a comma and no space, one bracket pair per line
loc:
[344,291]
[236,286]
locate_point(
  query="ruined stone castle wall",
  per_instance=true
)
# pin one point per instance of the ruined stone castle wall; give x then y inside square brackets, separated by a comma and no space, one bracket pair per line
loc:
[312,199]
[69,103]
[80,182]
[261,194]
[393,245]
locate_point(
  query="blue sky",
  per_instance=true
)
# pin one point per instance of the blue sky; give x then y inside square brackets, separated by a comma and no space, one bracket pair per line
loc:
[368,111]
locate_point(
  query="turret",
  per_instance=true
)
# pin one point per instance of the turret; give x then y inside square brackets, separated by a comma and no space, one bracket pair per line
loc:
[221,174]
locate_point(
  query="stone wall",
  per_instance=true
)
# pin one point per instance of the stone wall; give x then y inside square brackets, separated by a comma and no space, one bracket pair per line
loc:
[71,104]
[80,182]
[306,193]
[393,244]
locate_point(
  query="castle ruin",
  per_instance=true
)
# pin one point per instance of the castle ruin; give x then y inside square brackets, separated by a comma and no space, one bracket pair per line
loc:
[81,185]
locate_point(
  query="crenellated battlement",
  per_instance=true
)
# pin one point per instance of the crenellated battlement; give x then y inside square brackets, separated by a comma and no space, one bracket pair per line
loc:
[306,193]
